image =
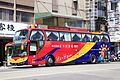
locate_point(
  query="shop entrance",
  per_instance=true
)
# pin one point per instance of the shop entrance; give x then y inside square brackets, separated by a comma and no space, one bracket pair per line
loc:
[1,53]
[3,56]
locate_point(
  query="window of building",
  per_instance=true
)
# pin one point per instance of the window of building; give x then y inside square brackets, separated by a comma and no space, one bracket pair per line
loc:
[5,14]
[26,17]
[75,7]
[48,21]
[111,19]
[73,23]
[87,3]
[113,5]
[11,13]
[54,6]
[99,6]
[18,16]
[87,6]
[0,13]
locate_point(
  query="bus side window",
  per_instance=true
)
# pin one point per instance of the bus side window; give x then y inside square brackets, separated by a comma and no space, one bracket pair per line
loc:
[52,36]
[62,37]
[86,38]
[95,38]
[36,35]
[104,38]
[65,36]
[76,37]
[33,48]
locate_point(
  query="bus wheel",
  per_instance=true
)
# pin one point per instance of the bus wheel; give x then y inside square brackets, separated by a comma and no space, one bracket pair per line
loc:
[93,59]
[50,61]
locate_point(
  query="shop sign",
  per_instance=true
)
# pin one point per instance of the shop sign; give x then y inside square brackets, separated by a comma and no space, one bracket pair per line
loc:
[115,36]
[8,29]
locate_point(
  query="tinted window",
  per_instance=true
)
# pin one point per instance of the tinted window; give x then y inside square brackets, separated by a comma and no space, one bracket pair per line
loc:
[104,38]
[65,36]
[52,36]
[20,35]
[86,37]
[95,38]
[76,36]
[36,35]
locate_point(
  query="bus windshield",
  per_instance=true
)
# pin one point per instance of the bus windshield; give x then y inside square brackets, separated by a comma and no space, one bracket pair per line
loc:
[17,52]
[20,36]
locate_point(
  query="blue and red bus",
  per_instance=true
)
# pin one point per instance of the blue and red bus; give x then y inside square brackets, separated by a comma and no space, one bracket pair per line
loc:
[35,46]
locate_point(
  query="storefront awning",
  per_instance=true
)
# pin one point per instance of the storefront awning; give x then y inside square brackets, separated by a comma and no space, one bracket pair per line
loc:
[49,14]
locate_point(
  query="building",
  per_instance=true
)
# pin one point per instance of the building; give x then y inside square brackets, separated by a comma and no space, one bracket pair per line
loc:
[24,10]
[113,15]
[96,12]
[114,25]
[70,13]
[24,14]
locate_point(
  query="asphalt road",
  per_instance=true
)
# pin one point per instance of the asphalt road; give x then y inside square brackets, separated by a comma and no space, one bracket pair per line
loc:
[104,71]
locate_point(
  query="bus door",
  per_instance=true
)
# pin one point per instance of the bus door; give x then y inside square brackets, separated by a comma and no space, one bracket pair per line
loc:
[32,53]
[36,44]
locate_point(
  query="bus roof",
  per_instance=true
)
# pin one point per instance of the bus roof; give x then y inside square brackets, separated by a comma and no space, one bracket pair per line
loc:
[66,29]
[57,28]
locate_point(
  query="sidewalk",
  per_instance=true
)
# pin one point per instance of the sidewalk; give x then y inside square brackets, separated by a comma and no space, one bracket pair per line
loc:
[4,67]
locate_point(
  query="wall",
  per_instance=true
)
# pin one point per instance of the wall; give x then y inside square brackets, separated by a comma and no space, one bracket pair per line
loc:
[43,6]
[64,7]
[22,2]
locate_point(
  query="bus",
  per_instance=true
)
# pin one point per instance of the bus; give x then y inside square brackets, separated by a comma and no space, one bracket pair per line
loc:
[50,46]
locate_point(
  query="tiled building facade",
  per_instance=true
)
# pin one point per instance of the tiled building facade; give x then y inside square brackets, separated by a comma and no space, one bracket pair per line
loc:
[61,13]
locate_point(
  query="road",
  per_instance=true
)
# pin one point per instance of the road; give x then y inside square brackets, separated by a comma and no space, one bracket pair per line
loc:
[104,71]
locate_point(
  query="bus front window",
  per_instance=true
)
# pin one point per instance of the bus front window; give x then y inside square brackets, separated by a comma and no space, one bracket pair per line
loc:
[20,36]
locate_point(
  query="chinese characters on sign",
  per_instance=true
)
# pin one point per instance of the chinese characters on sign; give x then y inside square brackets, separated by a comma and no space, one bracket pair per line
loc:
[9,27]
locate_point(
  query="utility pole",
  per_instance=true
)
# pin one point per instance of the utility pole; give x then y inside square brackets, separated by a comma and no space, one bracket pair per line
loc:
[14,17]
[106,24]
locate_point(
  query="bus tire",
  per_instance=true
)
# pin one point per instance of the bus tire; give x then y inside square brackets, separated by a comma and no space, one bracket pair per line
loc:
[50,61]
[93,59]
